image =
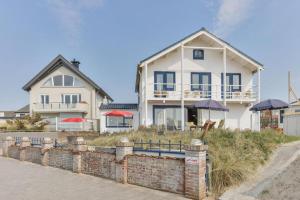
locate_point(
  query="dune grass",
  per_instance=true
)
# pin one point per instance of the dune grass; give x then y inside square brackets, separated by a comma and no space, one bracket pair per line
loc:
[234,155]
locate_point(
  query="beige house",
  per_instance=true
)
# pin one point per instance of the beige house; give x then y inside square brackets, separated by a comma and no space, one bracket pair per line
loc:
[200,66]
[62,90]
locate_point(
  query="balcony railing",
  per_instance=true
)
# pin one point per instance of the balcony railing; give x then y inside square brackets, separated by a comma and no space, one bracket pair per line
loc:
[201,91]
[54,106]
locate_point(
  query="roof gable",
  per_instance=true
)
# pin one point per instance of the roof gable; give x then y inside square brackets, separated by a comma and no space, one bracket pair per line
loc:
[55,64]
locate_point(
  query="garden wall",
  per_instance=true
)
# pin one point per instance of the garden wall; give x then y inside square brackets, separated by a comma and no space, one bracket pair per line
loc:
[178,175]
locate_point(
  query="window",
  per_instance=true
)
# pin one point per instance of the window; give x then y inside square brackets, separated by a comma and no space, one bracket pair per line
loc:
[198,54]
[168,116]
[233,82]
[164,81]
[44,99]
[68,80]
[63,80]
[58,80]
[118,122]
[281,116]
[201,81]
[71,98]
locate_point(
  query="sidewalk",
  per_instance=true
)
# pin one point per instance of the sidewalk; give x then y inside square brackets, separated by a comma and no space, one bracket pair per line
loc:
[27,181]
[280,160]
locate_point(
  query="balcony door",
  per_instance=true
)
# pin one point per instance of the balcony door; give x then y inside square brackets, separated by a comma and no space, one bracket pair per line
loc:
[164,81]
[201,81]
[233,83]
[44,99]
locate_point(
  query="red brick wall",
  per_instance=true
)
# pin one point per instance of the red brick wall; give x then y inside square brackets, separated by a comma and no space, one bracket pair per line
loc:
[156,172]
[98,164]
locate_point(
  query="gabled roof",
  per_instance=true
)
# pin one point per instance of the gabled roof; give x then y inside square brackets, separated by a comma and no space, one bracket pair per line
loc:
[119,106]
[24,109]
[56,63]
[178,43]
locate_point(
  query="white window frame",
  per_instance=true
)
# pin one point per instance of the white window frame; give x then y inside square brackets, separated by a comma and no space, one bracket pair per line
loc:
[43,96]
[63,81]
[71,99]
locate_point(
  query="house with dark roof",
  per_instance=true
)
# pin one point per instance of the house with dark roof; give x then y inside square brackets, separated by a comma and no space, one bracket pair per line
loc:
[62,90]
[22,111]
[200,66]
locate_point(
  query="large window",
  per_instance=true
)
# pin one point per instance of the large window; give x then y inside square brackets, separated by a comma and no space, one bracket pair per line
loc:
[233,82]
[201,81]
[167,116]
[44,99]
[164,81]
[71,98]
[118,122]
[63,81]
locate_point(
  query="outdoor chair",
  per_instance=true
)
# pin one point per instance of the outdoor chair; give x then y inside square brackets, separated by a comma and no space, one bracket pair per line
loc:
[221,124]
[191,126]
[208,125]
[162,94]
[187,93]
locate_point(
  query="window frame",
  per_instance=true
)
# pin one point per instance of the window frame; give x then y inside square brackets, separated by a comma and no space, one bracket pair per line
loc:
[63,98]
[231,80]
[164,73]
[43,96]
[194,54]
[201,80]
[75,79]
[123,120]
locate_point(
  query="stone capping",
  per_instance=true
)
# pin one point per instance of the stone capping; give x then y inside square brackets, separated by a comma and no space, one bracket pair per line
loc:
[125,144]
[157,157]
[196,147]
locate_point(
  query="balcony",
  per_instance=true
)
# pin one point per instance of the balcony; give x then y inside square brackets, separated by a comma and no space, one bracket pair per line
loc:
[196,92]
[60,107]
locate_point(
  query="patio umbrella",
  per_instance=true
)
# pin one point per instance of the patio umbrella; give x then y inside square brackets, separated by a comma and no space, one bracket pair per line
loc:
[269,104]
[119,113]
[210,105]
[74,119]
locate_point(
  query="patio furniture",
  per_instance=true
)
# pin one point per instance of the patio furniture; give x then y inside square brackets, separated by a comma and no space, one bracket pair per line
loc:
[221,124]
[187,93]
[191,126]
[196,94]
[208,125]
[210,105]
[161,94]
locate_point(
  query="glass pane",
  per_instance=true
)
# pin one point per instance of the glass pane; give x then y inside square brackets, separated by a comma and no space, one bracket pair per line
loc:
[195,82]
[159,81]
[48,83]
[128,121]
[227,83]
[173,118]
[77,83]
[57,80]
[74,98]
[236,82]
[114,121]
[67,99]
[170,80]
[68,80]
[205,82]
[42,99]
[159,116]
[46,99]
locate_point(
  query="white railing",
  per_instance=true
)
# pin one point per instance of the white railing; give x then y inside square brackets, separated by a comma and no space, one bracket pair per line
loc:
[54,106]
[201,91]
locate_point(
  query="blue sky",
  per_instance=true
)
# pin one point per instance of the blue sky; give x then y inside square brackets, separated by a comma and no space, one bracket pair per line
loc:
[110,37]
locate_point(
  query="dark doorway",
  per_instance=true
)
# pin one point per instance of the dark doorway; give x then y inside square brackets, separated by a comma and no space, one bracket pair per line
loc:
[192,116]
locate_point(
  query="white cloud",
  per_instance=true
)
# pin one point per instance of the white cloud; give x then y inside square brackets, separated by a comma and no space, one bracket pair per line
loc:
[231,14]
[69,15]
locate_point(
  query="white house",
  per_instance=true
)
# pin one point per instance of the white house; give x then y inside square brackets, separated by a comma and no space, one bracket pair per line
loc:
[61,90]
[192,69]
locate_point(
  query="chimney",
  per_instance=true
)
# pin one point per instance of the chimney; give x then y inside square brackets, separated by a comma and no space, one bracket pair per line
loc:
[76,63]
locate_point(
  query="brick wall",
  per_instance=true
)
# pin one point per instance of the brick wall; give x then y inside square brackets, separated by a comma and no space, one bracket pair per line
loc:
[61,158]
[156,172]
[13,152]
[98,164]
[33,154]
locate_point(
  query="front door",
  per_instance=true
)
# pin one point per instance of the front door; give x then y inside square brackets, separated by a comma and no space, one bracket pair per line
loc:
[192,115]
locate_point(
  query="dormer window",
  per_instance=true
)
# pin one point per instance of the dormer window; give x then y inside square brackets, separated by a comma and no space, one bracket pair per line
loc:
[63,81]
[198,54]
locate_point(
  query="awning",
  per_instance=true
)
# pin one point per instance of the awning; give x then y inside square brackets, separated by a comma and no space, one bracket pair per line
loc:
[119,113]
[74,119]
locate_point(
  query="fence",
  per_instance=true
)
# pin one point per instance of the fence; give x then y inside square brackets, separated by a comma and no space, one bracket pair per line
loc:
[57,124]
[178,175]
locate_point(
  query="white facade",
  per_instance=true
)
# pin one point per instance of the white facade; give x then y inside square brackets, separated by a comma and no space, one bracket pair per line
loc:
[242,87]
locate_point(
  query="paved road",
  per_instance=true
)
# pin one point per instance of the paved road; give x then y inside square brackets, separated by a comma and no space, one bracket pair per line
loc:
[27,181]
[282,158]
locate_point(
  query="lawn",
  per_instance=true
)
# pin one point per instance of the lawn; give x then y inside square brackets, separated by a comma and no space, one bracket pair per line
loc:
[234,155]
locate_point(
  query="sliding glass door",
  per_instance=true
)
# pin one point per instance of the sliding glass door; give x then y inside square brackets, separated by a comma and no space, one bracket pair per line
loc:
[169,117]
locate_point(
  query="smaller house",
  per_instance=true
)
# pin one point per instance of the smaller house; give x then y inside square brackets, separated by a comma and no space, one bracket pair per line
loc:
[6,115]
[22,111]
[118,123]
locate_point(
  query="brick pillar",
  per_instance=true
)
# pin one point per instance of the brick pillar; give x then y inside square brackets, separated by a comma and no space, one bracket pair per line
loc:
[195,168]
[123,148]
[25,142]
[79,145]
[47,144]
[7,142]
